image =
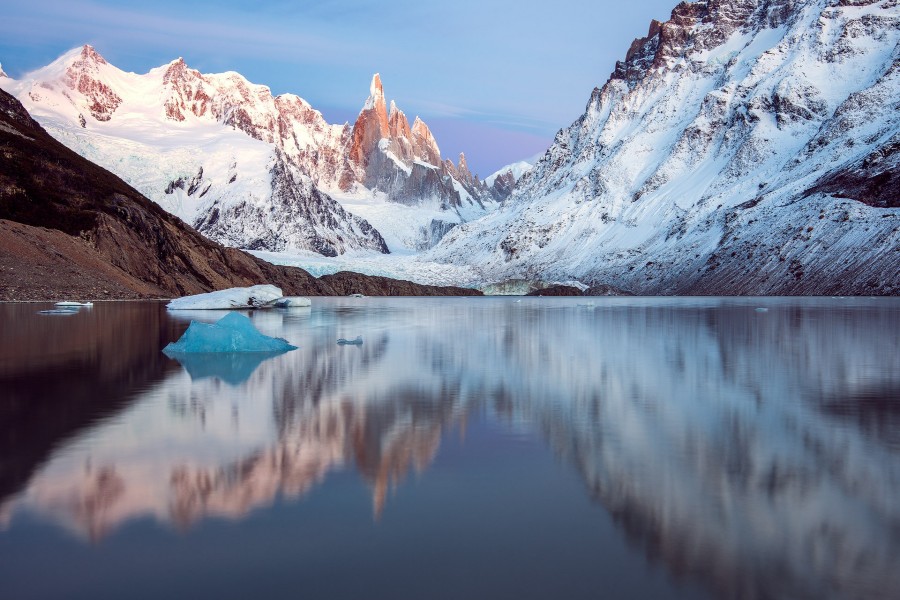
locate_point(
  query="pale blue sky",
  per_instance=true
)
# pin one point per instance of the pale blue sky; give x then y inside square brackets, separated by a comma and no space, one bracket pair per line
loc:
[495,78]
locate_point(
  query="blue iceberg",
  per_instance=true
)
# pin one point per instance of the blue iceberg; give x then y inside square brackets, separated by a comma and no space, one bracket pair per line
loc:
[232,333]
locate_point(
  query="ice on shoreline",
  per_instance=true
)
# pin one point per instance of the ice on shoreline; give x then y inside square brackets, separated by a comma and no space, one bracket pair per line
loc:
[257,296]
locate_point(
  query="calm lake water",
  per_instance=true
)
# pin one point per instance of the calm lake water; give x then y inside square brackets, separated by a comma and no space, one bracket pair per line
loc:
[469,448]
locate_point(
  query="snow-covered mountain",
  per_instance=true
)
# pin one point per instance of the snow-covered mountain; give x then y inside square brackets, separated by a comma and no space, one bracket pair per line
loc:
[250,169]
[743,146]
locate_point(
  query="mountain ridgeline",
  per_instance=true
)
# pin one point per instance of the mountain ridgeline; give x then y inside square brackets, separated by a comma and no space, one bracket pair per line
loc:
[244,167]
[742,147]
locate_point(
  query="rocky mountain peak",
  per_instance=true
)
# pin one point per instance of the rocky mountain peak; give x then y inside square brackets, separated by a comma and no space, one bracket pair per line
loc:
[398,123]
[187,91]
[462,169]
[695,27]
[424,144]
[2,72]
[376,94]
[90,55]
[83,75]
[371,125]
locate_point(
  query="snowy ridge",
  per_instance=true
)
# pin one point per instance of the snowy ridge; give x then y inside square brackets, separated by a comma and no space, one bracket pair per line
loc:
[517,169]
[210,146]
[733,151]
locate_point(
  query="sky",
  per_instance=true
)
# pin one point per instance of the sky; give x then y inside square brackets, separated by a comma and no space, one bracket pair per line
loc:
[493,78]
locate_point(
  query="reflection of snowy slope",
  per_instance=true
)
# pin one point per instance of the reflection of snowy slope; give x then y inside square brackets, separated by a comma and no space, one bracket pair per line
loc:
[705,427]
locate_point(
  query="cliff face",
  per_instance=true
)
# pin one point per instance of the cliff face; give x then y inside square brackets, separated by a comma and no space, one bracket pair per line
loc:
[70,228]
[742,147]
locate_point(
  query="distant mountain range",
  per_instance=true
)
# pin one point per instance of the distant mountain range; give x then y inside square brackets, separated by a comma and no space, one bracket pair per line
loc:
[249,169]
[741,147]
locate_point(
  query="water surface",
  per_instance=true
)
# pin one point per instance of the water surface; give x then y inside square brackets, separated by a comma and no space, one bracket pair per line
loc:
[489,447]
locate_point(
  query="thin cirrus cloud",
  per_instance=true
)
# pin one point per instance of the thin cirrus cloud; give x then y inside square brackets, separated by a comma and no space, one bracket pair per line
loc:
[501,70]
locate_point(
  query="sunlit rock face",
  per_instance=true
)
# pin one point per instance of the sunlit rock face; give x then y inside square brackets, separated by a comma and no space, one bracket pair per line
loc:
[741,147]
[728,442]
[405,164]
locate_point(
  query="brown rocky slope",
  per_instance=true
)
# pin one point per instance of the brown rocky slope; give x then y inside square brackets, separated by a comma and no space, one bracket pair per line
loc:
[71,229]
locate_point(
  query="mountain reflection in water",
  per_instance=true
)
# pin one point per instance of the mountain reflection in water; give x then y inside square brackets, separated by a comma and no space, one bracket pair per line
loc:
[756,452]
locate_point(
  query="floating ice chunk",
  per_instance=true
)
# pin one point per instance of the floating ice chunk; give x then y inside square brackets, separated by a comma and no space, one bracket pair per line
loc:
[356,296]
[74,304]
[250,297]
[232,333]
[292,302]
[357,341]
[762,310]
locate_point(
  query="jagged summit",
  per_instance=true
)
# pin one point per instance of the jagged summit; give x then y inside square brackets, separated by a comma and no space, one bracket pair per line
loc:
[375,88]
[90,54]
[2,72]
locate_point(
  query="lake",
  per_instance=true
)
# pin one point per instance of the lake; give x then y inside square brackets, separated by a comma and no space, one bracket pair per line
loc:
[470,447]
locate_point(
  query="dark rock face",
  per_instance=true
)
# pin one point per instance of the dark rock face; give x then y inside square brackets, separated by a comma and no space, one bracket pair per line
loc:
[603,289]
[874,180]
[67,224]
[308,218]
[345,283]
[556,290]
[503,185]
[432,234]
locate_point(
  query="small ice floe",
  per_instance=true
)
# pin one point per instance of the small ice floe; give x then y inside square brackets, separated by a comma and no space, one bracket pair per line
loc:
[69,303]
[232,333]
[762,310]
[292,302]
[588,305]
[59,311]
[356,296]
[357,341]
[257,296]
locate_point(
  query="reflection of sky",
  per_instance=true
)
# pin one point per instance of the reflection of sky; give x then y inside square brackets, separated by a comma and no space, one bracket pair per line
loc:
[509,74]
[701,426]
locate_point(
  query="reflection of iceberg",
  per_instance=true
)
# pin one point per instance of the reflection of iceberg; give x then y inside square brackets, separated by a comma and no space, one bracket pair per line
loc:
[357,341]
[233,368]
[232,333]
[256,296]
